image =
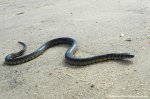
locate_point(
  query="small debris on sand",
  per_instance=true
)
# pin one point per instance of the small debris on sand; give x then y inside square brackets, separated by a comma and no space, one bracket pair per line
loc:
[20,13]
[128,39]
[121,35]
[92,85]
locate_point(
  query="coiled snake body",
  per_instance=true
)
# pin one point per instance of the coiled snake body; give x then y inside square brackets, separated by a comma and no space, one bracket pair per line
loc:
[17,58]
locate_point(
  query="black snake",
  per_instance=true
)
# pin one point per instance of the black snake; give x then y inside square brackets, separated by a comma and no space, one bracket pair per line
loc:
[17,58]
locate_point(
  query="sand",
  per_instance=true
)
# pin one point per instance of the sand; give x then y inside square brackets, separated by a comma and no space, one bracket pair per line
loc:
[99,26]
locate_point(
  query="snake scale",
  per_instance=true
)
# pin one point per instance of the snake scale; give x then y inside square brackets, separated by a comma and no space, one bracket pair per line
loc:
[18,58]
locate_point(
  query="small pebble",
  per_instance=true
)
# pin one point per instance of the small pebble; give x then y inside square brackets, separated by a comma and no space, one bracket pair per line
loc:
[15,71]
[121,35]
[135,70]
[20,13]
[35,93]
[77,82]
[92,85]
[50,74]
[135,90]
[129,85]
[106,70]
[141,84]
[141,12]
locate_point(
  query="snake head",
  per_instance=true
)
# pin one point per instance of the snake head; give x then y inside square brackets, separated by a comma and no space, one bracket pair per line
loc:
[127,55]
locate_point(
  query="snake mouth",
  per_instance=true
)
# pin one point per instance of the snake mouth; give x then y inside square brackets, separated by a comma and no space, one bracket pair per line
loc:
[131,56]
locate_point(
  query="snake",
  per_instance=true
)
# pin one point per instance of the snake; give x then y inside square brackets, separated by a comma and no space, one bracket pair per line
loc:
[19,57]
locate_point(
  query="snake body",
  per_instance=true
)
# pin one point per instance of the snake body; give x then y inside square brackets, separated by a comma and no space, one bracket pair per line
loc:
[18,58]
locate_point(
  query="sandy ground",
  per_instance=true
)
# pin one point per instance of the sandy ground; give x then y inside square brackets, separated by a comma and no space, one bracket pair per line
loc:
[97,26]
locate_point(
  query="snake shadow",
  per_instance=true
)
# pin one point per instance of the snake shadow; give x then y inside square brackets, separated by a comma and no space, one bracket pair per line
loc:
[121,62]
[124,62]
[4,64]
